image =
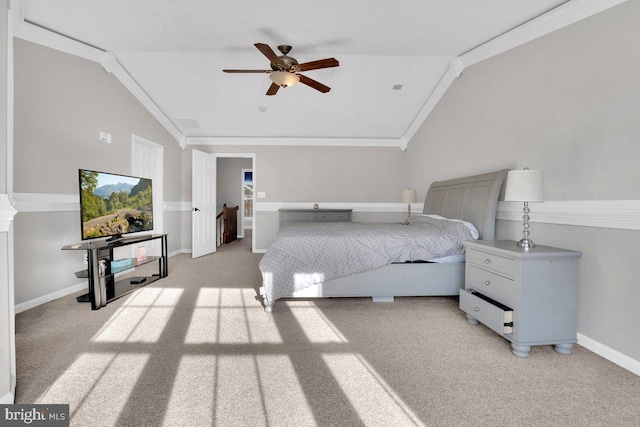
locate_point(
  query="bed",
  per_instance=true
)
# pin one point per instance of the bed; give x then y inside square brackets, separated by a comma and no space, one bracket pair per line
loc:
[470,199]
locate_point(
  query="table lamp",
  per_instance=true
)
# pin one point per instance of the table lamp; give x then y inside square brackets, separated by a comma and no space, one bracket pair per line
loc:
[408,197]
[525,186]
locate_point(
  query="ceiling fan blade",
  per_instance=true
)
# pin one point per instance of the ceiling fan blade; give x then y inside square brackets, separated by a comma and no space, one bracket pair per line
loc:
[268,52]
[273,89]
[247,71]
[314,84]
[322,63]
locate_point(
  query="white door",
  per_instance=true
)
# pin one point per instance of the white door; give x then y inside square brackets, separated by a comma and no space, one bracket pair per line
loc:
[203,209]
[147,162]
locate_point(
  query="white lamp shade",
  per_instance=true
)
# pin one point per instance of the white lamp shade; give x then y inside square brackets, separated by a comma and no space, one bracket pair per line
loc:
[284,78]
[409,196]
[524,186]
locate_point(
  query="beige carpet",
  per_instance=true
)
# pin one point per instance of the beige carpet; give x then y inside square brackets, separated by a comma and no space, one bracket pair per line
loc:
[197,348]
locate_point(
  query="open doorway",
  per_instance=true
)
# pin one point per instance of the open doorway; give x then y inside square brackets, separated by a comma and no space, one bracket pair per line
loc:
[235,183]
[246,209]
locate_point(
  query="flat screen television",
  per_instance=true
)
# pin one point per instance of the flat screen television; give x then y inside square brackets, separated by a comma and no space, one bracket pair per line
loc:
[112,205]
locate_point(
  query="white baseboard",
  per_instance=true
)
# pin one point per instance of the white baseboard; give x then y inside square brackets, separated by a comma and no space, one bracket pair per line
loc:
[610,354]
[24,306]
[8,399]
[178,252]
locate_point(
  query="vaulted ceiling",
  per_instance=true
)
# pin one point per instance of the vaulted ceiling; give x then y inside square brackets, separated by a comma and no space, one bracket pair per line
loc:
[172,53]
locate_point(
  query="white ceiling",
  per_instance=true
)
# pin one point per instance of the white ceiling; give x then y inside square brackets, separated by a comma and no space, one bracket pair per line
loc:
[176,50]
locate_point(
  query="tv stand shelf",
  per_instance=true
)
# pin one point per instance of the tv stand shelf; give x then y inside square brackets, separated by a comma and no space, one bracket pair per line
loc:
[103,287]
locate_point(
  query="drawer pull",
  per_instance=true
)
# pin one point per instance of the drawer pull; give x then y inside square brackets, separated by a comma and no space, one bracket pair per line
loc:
[487,261]
[488,282]
[476,309]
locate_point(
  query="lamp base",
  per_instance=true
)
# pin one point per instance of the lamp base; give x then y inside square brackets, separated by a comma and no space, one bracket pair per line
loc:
[526,243]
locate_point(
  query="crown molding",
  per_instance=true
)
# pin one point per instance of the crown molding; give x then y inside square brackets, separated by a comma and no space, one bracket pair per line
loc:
[453,71]
[110,63]
[40,35]
[330,142]
[566,14]
[36,34]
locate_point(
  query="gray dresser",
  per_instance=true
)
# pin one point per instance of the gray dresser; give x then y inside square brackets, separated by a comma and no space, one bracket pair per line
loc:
[528,296]
[288,216]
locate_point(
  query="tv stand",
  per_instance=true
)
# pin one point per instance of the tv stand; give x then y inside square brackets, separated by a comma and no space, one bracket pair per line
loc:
[100,274]
[114,239]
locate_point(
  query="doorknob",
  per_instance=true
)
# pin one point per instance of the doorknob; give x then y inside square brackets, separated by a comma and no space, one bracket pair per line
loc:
[196,209]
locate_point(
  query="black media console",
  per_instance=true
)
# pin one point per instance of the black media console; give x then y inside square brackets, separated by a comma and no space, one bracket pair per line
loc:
[102,268]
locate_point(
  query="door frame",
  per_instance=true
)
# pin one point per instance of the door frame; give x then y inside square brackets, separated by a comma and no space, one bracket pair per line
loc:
[251,156]
[243,171]
[157,150]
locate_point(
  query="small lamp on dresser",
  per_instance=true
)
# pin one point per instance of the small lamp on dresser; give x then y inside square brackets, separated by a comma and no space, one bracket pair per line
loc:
[525,186]
[408,197]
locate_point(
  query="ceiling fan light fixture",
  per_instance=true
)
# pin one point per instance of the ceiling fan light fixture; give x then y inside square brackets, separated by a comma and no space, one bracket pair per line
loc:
[284,78]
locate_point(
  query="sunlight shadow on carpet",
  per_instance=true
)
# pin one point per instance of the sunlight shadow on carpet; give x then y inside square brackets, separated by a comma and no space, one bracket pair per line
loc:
[315,325]
[142,318]
[373,400]
[230,316]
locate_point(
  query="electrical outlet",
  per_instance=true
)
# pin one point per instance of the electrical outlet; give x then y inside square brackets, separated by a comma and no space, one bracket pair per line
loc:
[86,259]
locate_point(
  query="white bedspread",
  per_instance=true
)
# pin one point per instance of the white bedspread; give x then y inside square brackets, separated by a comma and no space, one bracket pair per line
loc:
[310,253]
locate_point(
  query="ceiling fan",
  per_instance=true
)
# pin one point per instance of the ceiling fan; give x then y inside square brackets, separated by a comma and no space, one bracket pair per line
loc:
[285,70]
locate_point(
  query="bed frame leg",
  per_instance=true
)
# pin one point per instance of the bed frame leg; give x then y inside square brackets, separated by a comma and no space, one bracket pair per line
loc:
[268,306]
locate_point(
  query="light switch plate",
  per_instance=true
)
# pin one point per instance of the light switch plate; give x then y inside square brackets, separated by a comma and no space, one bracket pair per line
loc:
[105,137]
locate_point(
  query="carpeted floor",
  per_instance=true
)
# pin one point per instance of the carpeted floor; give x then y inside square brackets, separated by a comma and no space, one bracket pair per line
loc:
[197,348]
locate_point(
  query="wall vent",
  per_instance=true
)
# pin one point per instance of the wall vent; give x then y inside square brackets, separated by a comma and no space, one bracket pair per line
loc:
[189,123]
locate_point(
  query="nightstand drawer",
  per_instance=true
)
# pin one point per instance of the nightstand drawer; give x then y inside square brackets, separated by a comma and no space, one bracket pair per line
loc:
[498,319]
[298,216]
[492,285]
[491,262]
[332,216]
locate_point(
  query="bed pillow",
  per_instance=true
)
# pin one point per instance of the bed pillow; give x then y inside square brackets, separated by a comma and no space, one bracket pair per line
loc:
[471,227]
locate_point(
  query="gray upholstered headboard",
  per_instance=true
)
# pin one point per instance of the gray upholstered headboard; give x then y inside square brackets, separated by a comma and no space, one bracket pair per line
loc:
[473,199]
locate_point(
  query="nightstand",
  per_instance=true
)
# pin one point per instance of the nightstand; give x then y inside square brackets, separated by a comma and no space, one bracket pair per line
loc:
[528,296]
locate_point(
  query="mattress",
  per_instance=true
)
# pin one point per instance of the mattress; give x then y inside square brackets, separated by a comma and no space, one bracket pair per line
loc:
[307,254]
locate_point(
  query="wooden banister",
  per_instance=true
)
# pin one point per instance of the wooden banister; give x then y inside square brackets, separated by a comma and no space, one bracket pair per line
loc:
[227,224]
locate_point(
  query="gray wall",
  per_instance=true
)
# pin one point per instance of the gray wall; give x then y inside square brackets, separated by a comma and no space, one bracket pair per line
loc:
[291,174]
[566,104]
[62,102]
[229,180]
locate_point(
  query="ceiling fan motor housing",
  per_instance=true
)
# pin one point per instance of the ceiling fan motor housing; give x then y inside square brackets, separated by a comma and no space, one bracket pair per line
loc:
[288,64]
